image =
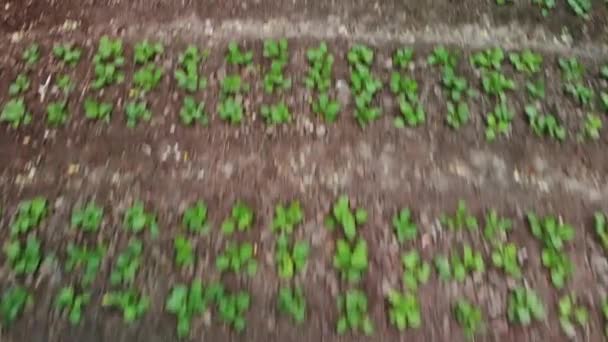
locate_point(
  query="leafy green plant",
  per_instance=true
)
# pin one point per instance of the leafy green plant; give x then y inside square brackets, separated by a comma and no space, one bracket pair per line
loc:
[192,112]
[496,227]
[545,124]
[553,233]
[186,302]
[469,317]
[146,52]
[87,259]
[504,257]
[604,72]
[195,218]
[68,300]
[604,101]
[187,74]
[276,114]
[137,219]
[292,303]
[469,262]
[580,7]
[601,228]
[353,313]
[136,111]
[416,272]
[233,85]
[20,85]
[231,110]
[363,83]
[326,107]
[404,311]
[57,113]
[443,267]
[94,110]
[15,113]
[286,217]
[524,306]
[274,78]
[536,90]
[237,258]
[458,114]
[236,56]
[351,260]
[290,260]
[87,218]
[64,83]
[321,64]
[559,265]
[462,218]
[29,215]
[404,85]
[232,309]
[31,55]
[545,6]
[241,218]
[457,86]
[132,304]
[67,53]
[569,311]
[404,228]
[403,57]
[12,304]
[443,57]
[24,259]
[498,121]
[488,59]
[147,77]
[342,216]
[582,94]
[107,63]
[496,83]
[184,251]
[526,61]
[411,114]
[127,264]
[592,126]
[572,69]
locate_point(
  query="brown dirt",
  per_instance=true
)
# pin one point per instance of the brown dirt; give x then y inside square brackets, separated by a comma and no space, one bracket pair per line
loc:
[381,168]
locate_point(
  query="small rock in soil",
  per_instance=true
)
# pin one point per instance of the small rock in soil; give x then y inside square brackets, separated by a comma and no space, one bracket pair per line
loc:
[343,92]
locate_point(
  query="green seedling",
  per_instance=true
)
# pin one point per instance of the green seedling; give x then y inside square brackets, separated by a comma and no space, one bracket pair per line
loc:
[31,55]
[94,110]
[137,219]
[351,260]
[276,114]
[592,126]
[360,55]
[13,302]
[132,304]
[231,110]
[545,124]
[147,77]
[107,63]
[87,218]
[582,94]
[67,53]
[559,266]
[551,232]
[290,260]
[68,300]
[571,313]
[443,57]
[233,85]
[469,317]
[57,113]
[604,72]
[184,251]
[505,258]
[187,74]
[405,229]
[187,302]
[86,259]
[195,218]
[536,90]
[527,61]
[146,52]
[404,85]
[275,49]
[496,227]
[457,87]
[292,303]
[127,264]
[545,6]
[462,218]
[236,56]
[343,216]
[572,69]
[468,263]
[137,111]
[404,310]
[488,59]
[363,84]
[581,8]
[274,79]
[29,215]
[416,272]
[15,113]
[19,86]
[286,217]
[241,218]
[327,108]
[353,313]
[192,112]
[601,228]
[496,84]
[403,57]
[237,258]
[411,114]
[498,122]
[321,63]
[232,309]
[604,101]
[458,115]
[24,259]
[64,83]
[524,306]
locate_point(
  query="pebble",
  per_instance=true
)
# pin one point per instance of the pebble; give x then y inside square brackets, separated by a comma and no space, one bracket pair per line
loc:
[343,91]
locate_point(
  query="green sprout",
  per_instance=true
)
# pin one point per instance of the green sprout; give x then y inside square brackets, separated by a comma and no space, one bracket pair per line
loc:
[353,313]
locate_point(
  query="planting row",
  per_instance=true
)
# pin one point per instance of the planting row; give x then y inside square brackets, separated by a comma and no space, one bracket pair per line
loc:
[24,254]
[588,92]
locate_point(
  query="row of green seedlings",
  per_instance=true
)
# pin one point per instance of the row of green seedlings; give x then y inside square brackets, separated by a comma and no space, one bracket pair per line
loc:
[581,8]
